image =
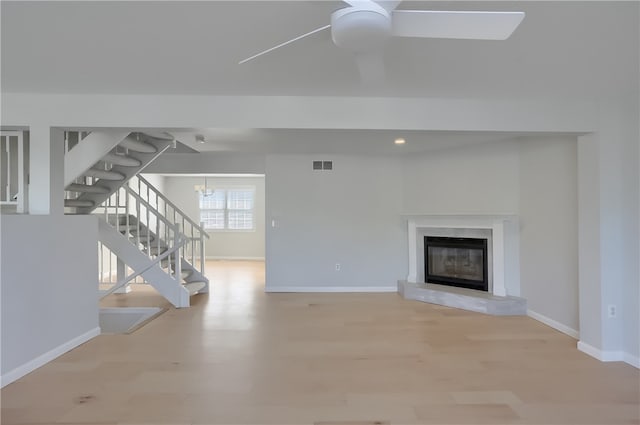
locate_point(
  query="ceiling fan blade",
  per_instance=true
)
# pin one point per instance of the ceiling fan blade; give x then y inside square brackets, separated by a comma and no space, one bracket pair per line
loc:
[463,25]
[388,5]
[358,3]
[371,67]
[284,44]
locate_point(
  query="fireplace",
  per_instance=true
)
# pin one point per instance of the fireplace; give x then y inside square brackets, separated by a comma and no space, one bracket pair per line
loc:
[453,261]
[502,233]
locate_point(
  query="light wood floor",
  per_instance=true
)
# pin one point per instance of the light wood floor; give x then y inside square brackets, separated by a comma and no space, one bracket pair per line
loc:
[240,356]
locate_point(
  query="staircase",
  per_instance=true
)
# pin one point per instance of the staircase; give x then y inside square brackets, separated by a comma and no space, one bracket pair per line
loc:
[121,162]
[145,232]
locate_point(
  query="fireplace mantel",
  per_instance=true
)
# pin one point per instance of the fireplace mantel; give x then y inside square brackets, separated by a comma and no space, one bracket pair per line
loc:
[504,230]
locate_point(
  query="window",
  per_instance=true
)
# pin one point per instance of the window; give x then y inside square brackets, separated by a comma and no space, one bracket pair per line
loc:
[227,208]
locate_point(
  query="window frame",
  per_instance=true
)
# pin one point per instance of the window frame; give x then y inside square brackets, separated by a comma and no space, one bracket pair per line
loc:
[226,209]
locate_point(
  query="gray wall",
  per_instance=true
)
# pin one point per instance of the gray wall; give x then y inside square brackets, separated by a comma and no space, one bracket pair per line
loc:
[350,215]
[222,244]
[49,284]
[548,198]
[484,182]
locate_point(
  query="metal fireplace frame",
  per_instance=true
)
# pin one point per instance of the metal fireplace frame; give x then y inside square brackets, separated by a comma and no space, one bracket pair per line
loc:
[453,242]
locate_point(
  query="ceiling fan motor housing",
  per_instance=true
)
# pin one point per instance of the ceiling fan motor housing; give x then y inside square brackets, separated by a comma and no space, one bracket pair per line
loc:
[360,29]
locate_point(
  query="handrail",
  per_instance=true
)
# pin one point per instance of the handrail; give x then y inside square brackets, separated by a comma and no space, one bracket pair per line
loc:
[157,259]
[166,221]
[195,248]
[174,206]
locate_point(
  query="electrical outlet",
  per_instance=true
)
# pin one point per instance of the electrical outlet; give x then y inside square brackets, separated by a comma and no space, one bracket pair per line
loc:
[337,267]
[612,311]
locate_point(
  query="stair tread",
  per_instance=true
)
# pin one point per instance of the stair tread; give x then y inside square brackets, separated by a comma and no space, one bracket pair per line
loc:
[194,287]
[123,160]
[124,227]
[184,274]
[78,203]
[112,220]
[154,252]
[143,239]
[163,135]
[104,174]
[87,188]
[138,146]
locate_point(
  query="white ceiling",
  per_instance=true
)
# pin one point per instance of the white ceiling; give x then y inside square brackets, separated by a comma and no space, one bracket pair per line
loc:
[577,50]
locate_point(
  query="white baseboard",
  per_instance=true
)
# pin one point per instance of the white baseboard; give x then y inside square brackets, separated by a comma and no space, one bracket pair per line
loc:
[602,355]
[609,356]
[331,289]
[632,360]
[45,358]
[227,257]
[554,324]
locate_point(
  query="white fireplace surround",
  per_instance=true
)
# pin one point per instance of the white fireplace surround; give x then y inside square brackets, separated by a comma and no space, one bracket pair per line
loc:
[503,242]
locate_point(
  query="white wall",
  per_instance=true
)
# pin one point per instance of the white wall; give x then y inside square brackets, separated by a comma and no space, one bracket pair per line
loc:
[608,228]
[631,305]
[207,162]
[470,180]
[350,216]
[49,288]
[632,299]
[548,205]
[223,244]
[536,179]
[629,222]
[156,181]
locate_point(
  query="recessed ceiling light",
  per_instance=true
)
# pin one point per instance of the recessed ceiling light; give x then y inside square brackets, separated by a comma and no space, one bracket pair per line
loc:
[399,141]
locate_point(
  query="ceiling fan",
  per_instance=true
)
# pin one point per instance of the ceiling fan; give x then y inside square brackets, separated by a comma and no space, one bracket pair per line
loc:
[365,25]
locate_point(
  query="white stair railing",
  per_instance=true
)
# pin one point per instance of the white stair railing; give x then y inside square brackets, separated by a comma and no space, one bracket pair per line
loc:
[107,265]
[122,282]
[147,228]
[12,171]
[195,233]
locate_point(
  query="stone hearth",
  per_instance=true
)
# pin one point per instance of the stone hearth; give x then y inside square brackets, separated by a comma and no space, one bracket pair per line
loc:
[466,299]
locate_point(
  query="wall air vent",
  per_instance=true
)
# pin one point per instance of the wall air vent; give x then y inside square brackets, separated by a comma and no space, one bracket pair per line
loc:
[323,165]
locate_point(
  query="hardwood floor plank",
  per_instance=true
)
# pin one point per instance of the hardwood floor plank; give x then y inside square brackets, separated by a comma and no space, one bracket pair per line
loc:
[241,356]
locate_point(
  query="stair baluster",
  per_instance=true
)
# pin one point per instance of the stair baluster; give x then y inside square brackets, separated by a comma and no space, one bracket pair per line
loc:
[139,226]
